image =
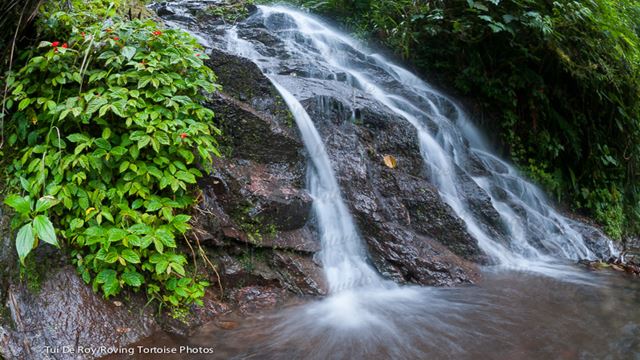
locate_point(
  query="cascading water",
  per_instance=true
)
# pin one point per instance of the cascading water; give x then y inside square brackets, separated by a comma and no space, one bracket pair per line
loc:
[343,257]
[537,234]
[366,316]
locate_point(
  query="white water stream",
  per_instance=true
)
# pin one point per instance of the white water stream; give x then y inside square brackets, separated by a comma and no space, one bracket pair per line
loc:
[538,234]
[367,317]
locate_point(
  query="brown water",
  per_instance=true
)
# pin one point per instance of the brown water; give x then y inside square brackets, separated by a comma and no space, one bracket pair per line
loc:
[509,315]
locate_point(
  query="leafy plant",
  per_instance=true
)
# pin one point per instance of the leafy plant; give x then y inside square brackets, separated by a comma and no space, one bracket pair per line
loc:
[33,222]
[109,133]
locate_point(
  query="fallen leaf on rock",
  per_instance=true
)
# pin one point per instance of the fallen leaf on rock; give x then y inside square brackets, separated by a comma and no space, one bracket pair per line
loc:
[390,161]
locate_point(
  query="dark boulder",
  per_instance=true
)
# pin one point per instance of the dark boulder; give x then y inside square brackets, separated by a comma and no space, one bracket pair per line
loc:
[64,316]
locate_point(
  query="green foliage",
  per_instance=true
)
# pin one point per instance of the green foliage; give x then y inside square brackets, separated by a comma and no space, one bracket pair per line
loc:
[109,134]
[230,11]
[560,79]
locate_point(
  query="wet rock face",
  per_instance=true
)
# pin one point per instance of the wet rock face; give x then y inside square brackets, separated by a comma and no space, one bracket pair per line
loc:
[66,313]
[413,236]
[8,256]
[595,239]
[255,212]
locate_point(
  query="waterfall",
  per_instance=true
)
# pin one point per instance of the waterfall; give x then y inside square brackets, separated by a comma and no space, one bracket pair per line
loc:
[343,256]
[367,317]
[537,234]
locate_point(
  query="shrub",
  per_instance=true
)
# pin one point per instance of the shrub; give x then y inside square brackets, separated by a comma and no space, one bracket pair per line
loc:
[109,137]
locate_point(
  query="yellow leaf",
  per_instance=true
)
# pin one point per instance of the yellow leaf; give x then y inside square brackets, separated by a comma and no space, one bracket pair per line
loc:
[390,161]
[89,210]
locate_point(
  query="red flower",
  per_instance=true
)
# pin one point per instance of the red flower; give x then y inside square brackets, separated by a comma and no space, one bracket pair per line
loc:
[116,38]
[55,43]
[198,55]
[83,34]
[65,45]
[183,135]
[157,33]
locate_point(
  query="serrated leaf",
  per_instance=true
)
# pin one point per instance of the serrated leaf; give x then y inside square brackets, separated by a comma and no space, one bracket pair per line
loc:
[95,104]
[118,151]
[130,256]
[166,237]
[162,138]
[103,144]
[162,266]
[111,256]
[178,268]
[105,275]
[45,230]
[186,155]
[110,284]
[144,141]
[133,278]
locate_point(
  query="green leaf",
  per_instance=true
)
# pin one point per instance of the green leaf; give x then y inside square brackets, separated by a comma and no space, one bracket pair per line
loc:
[103,144]
[45,203]
[95,104]
[116,234]
[110,284]
[144,141]
[130,256]
[128,52]
[23,104]
[111,256]
[166,237]
[133,278]
[118,151]
[178,268]
[44,229]
[22,205]
[105,275]
[25,241]
[162,138]
[75,138]
[186,155]
[76,224]
[162,266]
[140,229]
[153,205]
[157,243]
[186,177]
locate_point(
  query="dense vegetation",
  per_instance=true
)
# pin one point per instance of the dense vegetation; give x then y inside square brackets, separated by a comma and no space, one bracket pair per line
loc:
[105,138]
[560,80]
